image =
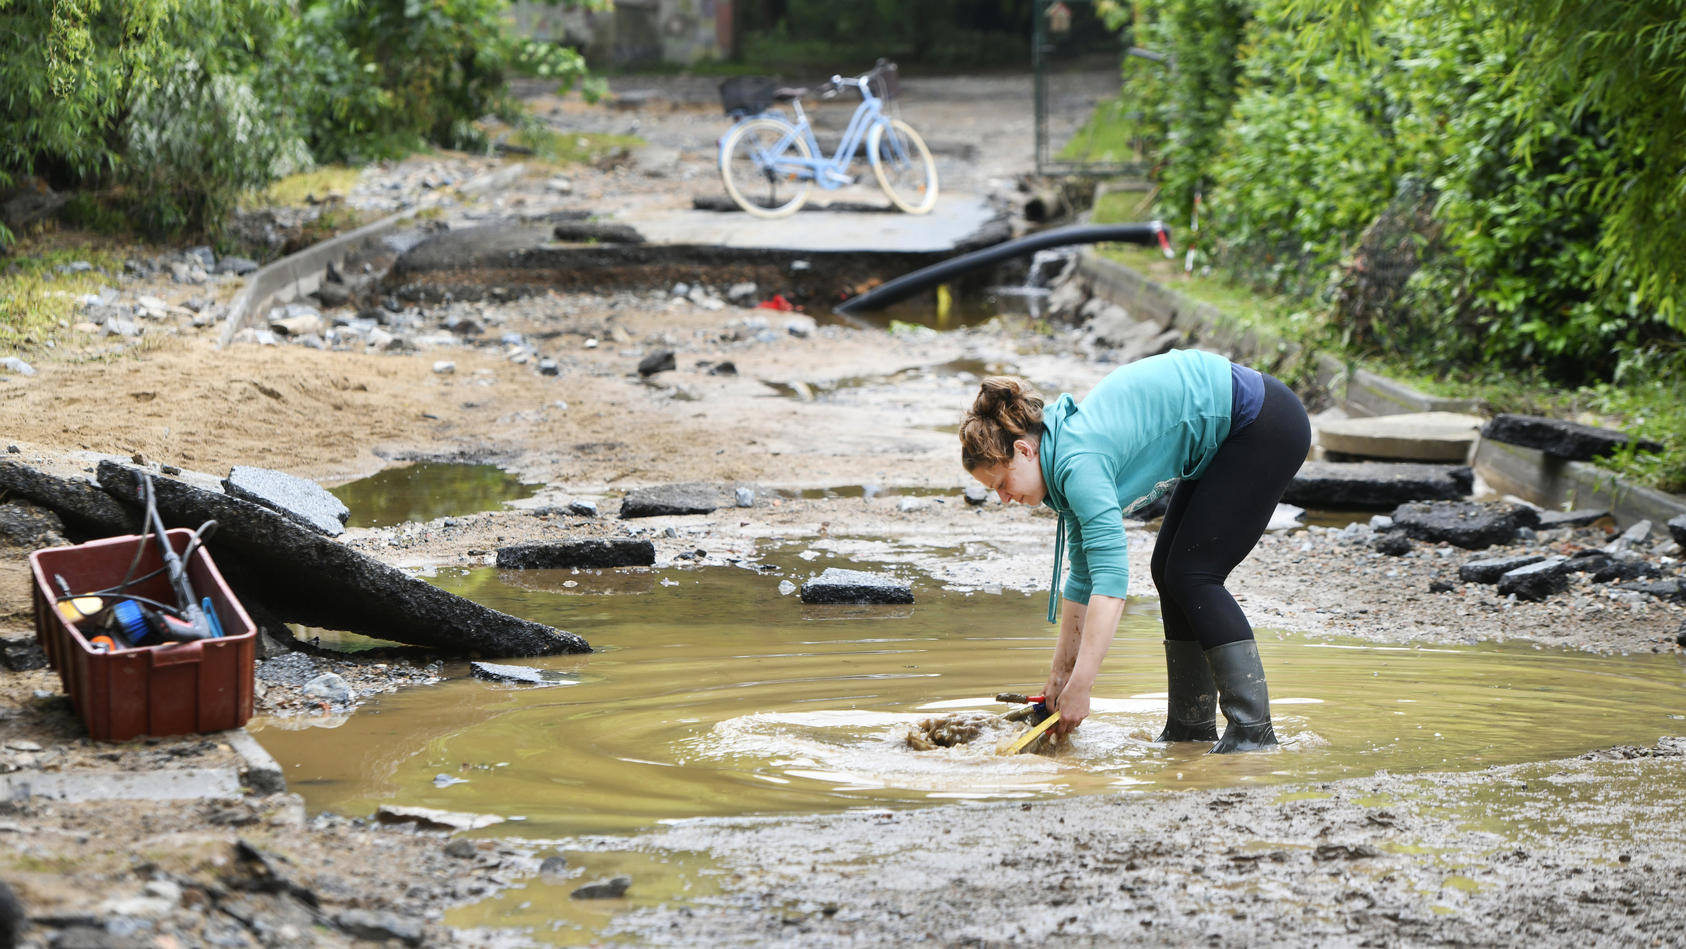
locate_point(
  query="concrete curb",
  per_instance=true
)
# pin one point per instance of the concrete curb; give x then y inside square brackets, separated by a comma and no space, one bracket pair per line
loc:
[299,274]
[1555,482]
[1532,475]
[262,773]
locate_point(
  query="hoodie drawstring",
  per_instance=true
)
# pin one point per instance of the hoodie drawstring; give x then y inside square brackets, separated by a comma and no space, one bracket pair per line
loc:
[1054,581]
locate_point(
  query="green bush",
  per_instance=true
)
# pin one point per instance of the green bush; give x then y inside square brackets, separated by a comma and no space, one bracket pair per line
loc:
[195,142]
[179,105]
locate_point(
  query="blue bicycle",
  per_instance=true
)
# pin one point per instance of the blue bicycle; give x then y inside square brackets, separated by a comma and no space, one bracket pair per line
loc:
[768,163]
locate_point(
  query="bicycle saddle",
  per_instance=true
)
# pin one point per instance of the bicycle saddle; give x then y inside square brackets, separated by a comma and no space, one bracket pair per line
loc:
[789,94]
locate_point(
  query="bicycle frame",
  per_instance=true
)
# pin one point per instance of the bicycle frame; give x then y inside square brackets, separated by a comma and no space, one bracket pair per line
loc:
[829,173]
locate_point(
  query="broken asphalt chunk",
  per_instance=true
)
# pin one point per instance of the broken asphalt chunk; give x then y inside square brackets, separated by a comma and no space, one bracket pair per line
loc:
[837,585]
[295,498]
[621,552]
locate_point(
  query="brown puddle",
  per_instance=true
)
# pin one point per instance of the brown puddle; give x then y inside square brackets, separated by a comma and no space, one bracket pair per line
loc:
[713,695]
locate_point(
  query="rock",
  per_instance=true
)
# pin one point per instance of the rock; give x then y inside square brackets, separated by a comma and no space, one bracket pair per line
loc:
[1375,485]
[1463,524]
[1635,534]
[1677,529]
[976,494]
[837,585]
[724,368]
[659,361]
[1536,581]
[1589,561]
[295,498]
[28,525]
[1392,544]
[610,889]
[1613,570]
[744,294]
[84,508]
[1441,586]
[205,257]
[670,499]
[330,686]
[333,294]
[1491,569]
[549,367]
[540,555]
[1562,439]
[462,850]
[786,588]
[583,508]
[428,818]
[444,367]
[380,926]
[239,266]
[1669,589]
[303,324]
[1586,518]
[553,865]
[801,327]
[596,232]
[14,364]
[300,576]
[526,675]
[745,497]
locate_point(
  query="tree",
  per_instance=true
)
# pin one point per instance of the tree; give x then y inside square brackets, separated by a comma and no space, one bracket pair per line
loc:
[1622,64]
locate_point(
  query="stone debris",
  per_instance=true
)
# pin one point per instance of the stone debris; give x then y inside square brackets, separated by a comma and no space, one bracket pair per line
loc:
[428,818]
[525,675]
[1562,439]
[293,497]
[671,499]
[1489,570]
[837,585]
[610,889]
[623,552]
[1536,581]
[1375,485]
[1465,524]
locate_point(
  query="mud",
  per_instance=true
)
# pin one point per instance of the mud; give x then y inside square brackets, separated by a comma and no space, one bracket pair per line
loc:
[1559,853]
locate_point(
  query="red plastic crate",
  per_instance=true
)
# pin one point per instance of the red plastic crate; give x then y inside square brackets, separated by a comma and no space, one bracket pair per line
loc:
[169,689]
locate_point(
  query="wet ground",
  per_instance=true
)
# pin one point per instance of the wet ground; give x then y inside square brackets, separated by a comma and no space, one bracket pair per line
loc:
[737,755]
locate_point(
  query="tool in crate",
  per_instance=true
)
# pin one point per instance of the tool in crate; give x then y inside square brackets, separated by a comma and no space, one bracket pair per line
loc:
[116,618]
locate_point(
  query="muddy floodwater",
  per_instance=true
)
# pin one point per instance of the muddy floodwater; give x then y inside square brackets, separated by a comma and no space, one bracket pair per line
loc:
[713,694]
[426,490]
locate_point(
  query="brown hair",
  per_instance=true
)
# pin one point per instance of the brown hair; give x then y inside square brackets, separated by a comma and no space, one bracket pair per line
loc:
[1005,410]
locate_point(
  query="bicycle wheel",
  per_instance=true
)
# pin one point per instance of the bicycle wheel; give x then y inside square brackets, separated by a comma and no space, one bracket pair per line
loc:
[754,170]
[903,166]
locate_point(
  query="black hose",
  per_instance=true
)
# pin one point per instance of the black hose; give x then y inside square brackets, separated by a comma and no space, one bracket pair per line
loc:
[906,285]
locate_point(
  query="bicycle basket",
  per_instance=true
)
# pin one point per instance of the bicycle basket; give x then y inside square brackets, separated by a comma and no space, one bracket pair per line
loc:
[884,82]
[747,95]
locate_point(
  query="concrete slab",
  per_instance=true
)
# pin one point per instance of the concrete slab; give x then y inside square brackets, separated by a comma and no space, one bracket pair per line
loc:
[186,784]
[956,222]
[1415,436]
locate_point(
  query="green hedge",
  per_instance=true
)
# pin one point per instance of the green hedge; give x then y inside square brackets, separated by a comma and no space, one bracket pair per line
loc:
[1441,191]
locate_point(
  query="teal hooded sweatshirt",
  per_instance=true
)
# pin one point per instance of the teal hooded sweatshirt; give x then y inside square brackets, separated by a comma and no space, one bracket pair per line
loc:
[1144,427]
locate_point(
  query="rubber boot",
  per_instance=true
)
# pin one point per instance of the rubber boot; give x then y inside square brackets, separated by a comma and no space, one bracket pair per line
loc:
[1191,711]
[1243,697]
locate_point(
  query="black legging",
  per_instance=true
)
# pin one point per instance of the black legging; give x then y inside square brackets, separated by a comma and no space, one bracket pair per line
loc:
[1213,522]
